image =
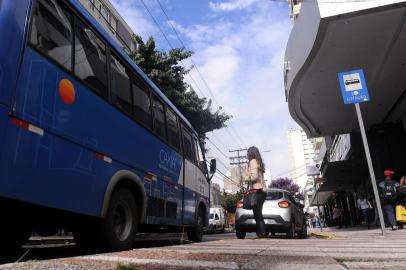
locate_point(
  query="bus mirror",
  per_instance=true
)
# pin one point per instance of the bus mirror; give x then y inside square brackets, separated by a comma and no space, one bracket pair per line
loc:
[213,166]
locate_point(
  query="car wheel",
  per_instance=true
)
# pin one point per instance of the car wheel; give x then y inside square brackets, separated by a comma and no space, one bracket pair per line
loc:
[291,233]
[196,233]
[240,233]
[303,232]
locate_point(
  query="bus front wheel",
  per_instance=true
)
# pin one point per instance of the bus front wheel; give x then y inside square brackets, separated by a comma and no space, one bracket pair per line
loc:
[13,235]
[119,227]
[195,234]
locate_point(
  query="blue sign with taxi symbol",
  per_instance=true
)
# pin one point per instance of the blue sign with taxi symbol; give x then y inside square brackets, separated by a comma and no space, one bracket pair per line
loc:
[353,86]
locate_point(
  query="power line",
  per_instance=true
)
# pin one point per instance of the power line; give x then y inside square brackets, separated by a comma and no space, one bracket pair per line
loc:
[223,164]
[218,149]
[170,45]
[290,172]
[195,66]
[226,177]
[218,140]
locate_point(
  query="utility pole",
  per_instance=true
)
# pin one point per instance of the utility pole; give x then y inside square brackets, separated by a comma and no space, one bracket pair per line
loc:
[239,160]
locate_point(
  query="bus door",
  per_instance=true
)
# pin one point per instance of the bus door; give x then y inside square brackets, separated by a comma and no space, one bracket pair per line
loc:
[189,180]
[202,186]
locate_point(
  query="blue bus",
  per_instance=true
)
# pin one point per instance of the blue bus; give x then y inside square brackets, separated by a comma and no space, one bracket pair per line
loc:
[88,143]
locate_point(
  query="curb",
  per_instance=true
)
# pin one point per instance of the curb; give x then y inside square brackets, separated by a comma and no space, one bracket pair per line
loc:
[325,235]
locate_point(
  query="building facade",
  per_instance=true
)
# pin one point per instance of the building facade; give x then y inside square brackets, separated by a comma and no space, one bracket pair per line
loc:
[232,183]
[330,37]
[215,195]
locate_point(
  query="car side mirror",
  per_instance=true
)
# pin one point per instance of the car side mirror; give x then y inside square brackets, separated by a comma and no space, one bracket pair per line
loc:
[301,205]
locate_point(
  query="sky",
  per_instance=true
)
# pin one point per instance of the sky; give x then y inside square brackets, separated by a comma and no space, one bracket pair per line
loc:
[238,47]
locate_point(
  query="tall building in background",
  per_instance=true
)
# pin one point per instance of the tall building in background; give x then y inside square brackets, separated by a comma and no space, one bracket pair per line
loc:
[109,18]
[215,195]
[232,182]
[268,175]
[301,155]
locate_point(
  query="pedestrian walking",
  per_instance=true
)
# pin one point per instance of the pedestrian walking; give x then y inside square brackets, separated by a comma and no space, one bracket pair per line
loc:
[254,176]
[313,221]
[365,207]
[402,191]
[337,216]
[388,191]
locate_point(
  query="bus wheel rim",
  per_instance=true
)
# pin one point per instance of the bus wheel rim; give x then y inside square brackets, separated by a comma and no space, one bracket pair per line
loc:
[122,221]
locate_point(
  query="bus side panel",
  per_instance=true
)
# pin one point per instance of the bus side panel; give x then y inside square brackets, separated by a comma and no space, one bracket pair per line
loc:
[196,191]
[13,16]
[47,170]
[189,209]
[93,126]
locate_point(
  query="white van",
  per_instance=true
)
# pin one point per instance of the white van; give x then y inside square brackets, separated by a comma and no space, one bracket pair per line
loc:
[217,220]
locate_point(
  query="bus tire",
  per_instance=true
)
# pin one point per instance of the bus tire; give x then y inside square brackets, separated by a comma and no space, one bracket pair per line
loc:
[14,232]
[13,236]
[196,233]
[119,227]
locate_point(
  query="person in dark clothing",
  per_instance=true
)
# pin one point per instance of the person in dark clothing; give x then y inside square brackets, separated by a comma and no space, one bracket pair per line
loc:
[402,191]
[255,175]
[388,191]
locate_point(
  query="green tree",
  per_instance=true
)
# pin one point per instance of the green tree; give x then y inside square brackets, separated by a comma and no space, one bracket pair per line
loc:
[229,201]
[164,69]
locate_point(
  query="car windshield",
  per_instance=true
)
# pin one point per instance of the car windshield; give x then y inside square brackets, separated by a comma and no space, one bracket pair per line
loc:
[274,195]
[211,216]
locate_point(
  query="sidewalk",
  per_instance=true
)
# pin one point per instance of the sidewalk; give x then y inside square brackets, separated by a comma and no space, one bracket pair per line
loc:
[358,231]
[347,248]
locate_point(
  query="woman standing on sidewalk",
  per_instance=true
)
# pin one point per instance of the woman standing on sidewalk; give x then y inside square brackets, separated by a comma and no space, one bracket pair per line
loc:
[255,175]
[365,206]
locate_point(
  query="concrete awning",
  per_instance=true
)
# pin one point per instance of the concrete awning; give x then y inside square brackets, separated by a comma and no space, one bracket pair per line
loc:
[320,198]
[329,38]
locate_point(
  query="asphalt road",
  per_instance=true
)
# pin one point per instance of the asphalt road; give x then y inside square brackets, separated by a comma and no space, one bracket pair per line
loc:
[63,247]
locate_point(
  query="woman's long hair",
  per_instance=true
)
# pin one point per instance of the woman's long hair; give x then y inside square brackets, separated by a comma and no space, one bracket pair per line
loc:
[253,153]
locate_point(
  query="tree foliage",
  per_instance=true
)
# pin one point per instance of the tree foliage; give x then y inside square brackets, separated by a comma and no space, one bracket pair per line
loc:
[229,201]
[286,184]
[164,69]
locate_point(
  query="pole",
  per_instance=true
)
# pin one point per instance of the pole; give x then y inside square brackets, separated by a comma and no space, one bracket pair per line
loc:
[371,169]
[318,208]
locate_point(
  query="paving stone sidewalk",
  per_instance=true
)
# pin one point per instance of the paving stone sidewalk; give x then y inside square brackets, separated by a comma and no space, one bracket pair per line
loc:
[338,250]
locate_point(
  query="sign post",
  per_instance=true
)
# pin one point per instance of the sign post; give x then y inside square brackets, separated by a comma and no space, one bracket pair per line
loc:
[354,91]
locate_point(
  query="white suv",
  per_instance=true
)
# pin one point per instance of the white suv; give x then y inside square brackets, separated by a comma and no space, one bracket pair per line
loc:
[281,212]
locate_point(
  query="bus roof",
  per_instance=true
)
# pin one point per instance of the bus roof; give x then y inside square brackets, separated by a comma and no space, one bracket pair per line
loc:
[130,62]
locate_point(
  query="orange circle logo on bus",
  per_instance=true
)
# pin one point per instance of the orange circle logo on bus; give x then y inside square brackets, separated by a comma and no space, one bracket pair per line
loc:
[67,91]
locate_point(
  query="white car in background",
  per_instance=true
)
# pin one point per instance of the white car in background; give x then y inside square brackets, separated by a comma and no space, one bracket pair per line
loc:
[217,220]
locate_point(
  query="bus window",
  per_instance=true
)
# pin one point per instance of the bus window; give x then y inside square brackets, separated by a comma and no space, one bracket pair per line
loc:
[120,86]
[141,101]
[188,147]
[90,59]
[159,118]
[51,31]
[199,155]
[173,130]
